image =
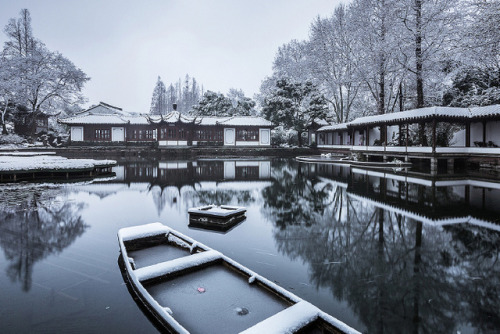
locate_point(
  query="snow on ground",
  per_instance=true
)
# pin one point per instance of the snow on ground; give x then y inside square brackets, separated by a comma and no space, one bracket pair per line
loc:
[47,162]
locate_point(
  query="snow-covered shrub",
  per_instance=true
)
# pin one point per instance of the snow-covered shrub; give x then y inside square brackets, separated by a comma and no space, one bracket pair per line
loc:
[12,138]
[284,137]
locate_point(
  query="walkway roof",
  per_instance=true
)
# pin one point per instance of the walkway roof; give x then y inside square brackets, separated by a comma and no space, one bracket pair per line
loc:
[424,114]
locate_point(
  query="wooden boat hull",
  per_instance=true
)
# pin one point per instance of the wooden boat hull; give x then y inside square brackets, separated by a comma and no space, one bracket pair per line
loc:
[164,282]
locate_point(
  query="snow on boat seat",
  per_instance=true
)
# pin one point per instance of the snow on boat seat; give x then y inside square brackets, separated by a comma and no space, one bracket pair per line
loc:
[289,320]
[173,266]
[142,231]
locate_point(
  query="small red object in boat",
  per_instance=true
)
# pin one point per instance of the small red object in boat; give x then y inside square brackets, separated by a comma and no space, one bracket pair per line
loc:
[201,290]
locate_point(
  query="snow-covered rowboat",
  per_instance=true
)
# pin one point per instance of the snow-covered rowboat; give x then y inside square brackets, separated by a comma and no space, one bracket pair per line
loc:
[191,288]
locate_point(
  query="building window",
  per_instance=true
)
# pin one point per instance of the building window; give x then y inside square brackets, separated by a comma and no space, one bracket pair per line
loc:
[171,133]
[182,134]
[219,135]
[247,135]
[102,134]
[149,134]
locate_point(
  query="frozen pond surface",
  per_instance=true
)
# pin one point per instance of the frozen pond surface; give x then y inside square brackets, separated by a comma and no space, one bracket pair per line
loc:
[383,252]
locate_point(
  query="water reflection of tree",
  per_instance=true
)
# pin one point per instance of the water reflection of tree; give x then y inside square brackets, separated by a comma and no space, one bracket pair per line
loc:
[397,275]
[292,197]
[35,223]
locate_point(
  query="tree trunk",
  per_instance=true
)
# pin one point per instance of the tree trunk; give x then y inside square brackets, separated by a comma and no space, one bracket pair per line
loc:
[4,112]
[418,54]
[299,133]
[381,70]
[401,97]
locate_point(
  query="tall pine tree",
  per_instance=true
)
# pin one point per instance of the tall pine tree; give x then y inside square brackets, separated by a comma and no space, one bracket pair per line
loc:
[159,101]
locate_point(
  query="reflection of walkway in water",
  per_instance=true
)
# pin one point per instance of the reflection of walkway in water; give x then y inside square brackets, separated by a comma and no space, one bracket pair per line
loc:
[383,244]
[432,201]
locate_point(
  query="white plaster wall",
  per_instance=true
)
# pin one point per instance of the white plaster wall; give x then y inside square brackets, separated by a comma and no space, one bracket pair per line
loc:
[264,169]
[265,137]
[247,143]
[229,170]
[76,133]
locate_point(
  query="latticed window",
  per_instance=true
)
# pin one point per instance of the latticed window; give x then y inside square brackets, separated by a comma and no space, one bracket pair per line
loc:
[247,134]
[103,134]
[149,134]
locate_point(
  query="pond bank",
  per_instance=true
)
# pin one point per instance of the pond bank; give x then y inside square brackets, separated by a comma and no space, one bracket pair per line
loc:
[125,152]
[16,166]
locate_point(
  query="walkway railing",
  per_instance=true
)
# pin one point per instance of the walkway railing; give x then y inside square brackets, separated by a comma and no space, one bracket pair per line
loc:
[416,149]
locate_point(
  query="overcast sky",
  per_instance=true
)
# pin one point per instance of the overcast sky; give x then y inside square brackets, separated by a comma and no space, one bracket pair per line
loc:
[125,45]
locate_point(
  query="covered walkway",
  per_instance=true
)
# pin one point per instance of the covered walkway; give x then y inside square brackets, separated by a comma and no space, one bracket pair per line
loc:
[431,133]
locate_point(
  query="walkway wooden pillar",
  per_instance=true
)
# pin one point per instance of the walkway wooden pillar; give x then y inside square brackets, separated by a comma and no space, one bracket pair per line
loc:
[421,133]
[400,128]
[467,134]
[484,132]
[367,137]
[407,134]
[434,123]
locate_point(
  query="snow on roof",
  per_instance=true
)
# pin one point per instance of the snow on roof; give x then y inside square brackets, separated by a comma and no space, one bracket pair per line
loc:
[105,108]
[210,120]
[419,114]
[414,114]
[493,110]
[341,126]
[91,118]
[139,119]
[175,116]
[245,120]
[171,117]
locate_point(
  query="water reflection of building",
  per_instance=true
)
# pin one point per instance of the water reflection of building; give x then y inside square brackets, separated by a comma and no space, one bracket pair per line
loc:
[189,172]
[194,183]
[438,201]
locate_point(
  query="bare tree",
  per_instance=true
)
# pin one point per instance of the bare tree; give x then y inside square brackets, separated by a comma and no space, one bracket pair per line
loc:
[332,61]
[43,76]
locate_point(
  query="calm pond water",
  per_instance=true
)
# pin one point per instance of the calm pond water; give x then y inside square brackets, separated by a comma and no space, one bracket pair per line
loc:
[383,252]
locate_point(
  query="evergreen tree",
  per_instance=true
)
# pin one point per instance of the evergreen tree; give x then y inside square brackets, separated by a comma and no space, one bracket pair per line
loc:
[159,102]
[295,105]
[212,104]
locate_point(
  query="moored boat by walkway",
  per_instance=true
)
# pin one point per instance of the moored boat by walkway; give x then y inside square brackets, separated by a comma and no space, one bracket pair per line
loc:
[357,163]
[191,288]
